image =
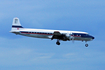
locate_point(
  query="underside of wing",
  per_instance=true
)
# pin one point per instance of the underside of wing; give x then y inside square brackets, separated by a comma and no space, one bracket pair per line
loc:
[58,35]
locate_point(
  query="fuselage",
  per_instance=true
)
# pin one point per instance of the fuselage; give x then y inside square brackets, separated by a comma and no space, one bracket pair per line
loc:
[45,33]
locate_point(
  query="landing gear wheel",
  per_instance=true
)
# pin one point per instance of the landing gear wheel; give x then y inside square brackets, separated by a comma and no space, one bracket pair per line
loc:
[86,45]
[58,43]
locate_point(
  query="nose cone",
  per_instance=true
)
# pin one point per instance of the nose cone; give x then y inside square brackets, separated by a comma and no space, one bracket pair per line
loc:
[93,37]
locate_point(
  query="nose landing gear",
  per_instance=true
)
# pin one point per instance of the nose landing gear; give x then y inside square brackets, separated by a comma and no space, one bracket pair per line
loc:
[86,45]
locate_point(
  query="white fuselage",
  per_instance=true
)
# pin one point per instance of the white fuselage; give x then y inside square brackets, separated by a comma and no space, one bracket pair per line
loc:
[44,33]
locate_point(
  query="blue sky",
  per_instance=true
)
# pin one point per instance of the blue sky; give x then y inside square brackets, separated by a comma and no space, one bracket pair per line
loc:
[26,53]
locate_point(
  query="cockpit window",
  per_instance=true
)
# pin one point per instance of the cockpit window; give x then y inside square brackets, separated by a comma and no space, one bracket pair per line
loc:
[80,34]
[87,35]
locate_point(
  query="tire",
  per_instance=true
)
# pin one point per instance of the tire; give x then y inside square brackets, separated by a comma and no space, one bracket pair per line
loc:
[86,45]
[58,43]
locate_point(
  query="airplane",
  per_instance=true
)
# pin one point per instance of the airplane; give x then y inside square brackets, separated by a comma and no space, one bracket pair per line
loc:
[60,35]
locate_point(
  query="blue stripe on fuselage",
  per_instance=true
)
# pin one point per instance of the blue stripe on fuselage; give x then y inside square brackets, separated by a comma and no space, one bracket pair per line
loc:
[17,26]
[83,35]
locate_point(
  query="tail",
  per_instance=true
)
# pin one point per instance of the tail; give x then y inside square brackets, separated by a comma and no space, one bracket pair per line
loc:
[16,24]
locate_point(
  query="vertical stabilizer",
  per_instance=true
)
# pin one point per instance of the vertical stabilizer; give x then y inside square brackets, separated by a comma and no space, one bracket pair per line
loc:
[16,24]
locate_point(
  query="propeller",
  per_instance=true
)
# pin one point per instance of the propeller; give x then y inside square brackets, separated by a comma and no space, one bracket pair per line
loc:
[72,38]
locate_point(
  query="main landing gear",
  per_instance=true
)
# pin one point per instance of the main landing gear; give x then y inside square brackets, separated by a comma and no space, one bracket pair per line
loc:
[58,43]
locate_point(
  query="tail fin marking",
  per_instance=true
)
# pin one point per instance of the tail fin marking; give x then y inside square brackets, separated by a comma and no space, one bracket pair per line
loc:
[16,24]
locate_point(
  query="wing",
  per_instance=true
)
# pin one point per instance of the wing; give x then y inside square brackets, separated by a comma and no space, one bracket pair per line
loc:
[58,35]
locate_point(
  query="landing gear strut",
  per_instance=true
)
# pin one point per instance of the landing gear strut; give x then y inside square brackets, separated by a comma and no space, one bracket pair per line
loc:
[58,43]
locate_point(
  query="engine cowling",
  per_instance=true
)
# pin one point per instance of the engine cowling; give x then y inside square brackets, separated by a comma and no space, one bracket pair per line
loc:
[68,36]
[71,36]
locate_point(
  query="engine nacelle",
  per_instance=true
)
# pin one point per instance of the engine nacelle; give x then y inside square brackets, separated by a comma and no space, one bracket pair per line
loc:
[68,36]
[71,36]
